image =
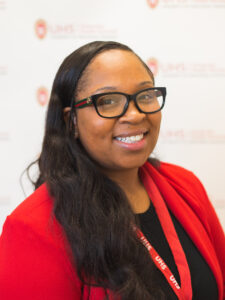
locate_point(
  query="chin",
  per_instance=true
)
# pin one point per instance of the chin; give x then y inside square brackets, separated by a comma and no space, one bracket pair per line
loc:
[133,164]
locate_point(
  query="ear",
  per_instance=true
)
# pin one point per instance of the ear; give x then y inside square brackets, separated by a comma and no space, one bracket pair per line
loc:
[66,115]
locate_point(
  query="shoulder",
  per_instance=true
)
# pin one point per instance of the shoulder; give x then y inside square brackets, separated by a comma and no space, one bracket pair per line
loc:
[181,177]
[190,190]
[34,218]
[34,248]
[32,228]
[168,169]
[182,180]
[36,208]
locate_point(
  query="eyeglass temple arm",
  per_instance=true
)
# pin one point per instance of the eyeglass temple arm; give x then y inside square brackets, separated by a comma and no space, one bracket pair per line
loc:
[83,103]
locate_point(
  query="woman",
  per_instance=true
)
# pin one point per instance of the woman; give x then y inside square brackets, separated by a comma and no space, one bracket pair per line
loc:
[106,222]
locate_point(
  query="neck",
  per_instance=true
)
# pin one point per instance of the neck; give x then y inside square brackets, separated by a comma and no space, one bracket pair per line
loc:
[126,179]
[130,183]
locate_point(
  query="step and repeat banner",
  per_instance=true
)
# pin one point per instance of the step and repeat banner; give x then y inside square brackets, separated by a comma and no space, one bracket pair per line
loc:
[182,41]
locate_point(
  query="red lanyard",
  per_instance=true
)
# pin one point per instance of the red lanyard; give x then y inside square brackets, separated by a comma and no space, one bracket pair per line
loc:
[160,264]
[184,292]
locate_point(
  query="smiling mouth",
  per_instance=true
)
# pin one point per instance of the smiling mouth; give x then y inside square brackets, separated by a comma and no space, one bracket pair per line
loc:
[131,139]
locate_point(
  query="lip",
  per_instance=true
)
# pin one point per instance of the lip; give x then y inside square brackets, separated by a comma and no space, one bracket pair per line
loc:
[139,145]
[132,133]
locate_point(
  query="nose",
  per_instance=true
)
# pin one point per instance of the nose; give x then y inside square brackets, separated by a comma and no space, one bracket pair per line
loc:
[132,114]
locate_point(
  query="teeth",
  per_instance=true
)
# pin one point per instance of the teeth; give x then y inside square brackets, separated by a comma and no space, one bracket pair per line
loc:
[130,139]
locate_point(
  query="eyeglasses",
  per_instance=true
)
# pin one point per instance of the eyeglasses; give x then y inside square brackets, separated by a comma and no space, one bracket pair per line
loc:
[115,104]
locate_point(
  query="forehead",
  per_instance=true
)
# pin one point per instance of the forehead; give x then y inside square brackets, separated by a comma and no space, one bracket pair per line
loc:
[115,67]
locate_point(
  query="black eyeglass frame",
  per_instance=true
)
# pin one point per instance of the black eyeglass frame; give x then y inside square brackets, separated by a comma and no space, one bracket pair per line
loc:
[91,100]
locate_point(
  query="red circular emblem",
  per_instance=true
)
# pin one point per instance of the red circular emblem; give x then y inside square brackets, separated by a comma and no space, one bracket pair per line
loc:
[42,96]
[40,28]
[153,3]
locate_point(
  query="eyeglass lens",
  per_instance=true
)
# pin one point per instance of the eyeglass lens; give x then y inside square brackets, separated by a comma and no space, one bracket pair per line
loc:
[112,105]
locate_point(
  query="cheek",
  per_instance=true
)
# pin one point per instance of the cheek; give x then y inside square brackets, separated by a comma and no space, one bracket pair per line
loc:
[93,131]
[155,121]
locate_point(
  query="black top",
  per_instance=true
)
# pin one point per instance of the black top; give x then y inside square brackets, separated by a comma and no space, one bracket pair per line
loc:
[203,282]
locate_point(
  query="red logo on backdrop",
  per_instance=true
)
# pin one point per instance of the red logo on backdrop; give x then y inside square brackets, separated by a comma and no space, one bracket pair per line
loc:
[42,96]
[153,3]
[153,65]
[40,28]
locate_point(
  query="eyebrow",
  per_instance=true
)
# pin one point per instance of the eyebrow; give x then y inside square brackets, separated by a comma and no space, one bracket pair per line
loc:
[115,88]
[106,88]
[145,82]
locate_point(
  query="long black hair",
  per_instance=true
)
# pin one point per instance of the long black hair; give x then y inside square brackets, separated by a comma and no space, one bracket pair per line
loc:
[92,209]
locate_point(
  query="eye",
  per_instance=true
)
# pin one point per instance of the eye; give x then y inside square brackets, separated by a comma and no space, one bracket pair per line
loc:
[106,100]
[147,96]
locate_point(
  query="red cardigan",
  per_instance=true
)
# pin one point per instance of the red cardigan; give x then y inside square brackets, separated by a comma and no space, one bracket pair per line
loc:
[34,259]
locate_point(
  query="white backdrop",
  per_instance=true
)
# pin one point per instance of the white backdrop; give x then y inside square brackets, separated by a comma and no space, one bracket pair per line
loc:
[181,40]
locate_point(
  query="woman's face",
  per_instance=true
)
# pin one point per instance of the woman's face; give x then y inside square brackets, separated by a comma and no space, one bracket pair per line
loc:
[121,71]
